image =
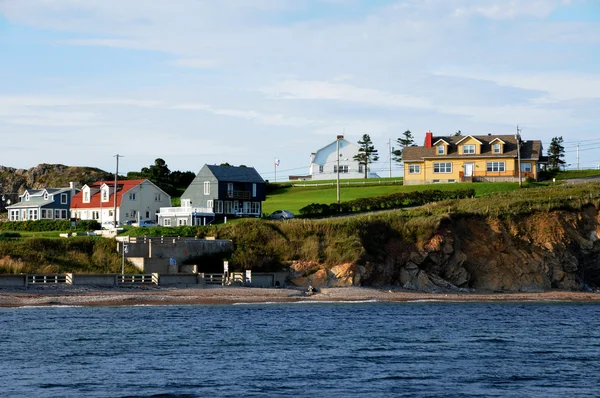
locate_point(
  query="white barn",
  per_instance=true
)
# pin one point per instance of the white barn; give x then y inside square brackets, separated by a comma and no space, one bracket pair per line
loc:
[324,162]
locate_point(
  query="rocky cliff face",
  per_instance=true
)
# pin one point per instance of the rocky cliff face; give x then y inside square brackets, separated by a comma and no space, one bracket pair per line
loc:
[15,181]
[542,251]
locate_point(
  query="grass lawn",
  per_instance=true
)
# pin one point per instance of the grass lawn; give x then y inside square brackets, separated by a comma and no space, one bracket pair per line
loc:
[565,175]
[42,234]
[294,198]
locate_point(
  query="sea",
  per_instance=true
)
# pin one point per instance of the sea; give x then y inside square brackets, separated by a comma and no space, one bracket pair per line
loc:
[367,349]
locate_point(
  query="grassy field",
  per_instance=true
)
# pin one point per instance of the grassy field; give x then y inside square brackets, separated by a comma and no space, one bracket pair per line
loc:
[565,175]
[294,198]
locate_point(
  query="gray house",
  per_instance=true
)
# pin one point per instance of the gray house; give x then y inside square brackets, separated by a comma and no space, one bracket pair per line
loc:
[43,204]
[218,192]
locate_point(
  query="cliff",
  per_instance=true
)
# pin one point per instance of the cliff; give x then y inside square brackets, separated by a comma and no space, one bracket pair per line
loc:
[540,251]
[15,181]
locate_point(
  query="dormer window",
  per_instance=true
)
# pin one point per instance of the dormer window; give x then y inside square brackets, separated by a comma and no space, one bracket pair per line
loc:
[497,148]
[27,197]
[468,149]
[441,150]
[45,195]
[86,196]
[105,195]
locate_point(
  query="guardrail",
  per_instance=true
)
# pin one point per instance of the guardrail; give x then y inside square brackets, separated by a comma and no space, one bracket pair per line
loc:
[137,279]
[213,279]
[49,279]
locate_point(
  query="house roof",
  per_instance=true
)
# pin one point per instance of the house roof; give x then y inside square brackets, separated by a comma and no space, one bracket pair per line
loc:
[123,187]
[531,149]
[235,174]
[24,205]
[467,136]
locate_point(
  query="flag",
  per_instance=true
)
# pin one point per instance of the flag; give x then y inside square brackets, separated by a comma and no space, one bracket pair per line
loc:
[277,162]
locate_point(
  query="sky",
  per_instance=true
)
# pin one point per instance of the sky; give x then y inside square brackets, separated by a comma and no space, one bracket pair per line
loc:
[199,82]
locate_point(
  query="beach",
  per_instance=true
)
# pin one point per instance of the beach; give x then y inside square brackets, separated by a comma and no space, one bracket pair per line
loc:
[152,295]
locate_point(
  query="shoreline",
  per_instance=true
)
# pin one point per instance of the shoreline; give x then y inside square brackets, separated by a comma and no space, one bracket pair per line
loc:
[147,295]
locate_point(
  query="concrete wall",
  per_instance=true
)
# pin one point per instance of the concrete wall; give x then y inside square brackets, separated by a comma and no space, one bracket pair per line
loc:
[13,280]
[180,279]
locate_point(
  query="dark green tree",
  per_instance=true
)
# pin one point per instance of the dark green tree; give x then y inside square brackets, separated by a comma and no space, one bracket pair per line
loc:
[367,153]
[405,140]
[556,153]
[458,133]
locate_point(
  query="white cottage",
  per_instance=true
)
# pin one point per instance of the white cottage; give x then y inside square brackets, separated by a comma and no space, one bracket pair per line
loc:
[324,163]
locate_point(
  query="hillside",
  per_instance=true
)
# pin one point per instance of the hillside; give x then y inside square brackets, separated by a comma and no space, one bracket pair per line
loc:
[14,181]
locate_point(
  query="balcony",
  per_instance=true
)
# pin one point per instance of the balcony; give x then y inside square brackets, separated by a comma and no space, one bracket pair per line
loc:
[184,211]
[240,195]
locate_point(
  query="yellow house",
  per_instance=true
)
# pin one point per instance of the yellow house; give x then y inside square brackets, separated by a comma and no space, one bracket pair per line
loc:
[491,158]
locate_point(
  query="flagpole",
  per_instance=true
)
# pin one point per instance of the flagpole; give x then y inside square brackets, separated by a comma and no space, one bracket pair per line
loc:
[275,168]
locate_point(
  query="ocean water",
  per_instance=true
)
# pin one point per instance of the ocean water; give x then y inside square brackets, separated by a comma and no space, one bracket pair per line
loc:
[302,350]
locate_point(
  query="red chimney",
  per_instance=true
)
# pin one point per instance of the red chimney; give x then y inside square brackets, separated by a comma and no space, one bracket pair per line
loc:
[428,139]
[339,137]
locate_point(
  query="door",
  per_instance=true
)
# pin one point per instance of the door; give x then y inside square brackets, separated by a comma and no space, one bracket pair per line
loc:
[469,169]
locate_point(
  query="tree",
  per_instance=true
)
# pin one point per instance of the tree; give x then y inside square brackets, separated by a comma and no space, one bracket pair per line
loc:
[405,140]
[367,153]
[556,152]
[458,133]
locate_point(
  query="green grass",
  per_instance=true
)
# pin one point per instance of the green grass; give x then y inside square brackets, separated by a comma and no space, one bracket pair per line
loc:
[294,198]
[564,175]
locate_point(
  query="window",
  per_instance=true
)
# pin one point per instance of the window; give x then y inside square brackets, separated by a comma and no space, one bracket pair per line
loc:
[497,148]
[219,206]
[186,203]
[361,168]
[253,190]
[468,149]
[105,195]
[441,150]
[255,207]
[157,197]
[229,189]
[526,167]
[246,207]
[45,195]
[63,198]
[495,166]
[209,204]
[436,181]
[321,168]
[86,196]
[132,196]
[207,187]
[228,207]
[451,180]
[27,197]
[33,214]
[445,167]
[147,214]
[343,169]
[133,213]
[63,214]
[414,169]
[182,221]
[57,213]
[43,213]
[95,215]
[167,222]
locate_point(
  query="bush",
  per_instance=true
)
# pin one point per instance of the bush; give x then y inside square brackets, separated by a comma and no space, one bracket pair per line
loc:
[387,202]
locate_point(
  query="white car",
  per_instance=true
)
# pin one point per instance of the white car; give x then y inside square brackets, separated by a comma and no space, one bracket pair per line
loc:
[281,215]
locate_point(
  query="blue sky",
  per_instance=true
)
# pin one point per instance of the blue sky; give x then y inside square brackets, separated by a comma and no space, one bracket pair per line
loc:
[247,81]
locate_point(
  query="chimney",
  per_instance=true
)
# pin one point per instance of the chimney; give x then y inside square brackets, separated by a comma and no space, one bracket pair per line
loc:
[428,139]
[339,137]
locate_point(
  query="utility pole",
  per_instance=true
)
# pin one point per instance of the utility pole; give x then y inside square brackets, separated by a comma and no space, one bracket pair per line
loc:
[338,169]
[578,156]
[391,150]
[115,192]
[518,137]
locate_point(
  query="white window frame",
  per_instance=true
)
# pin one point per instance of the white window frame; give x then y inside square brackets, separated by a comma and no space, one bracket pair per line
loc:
[207,187]
[253,190]
[468,149]
[45,195]
[63,199]
[219,206]
[166,222]
[497,148]
[86,196]
[414,169]
[105,195]
[255,208]
[442,167]
[157,197]
[441,149]
[495,167]
[27,197]
[182,222]
[228,207]
[132,196]
[209,203]
[320,169]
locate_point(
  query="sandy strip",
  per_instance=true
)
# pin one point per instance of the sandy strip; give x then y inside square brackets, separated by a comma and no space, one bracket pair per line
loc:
[90,296]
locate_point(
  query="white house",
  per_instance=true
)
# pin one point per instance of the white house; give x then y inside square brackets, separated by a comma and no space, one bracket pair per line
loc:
[324,163]
[136,200]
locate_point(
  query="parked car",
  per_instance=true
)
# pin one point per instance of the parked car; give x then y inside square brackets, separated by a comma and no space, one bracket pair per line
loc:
[144,223]
[107,224]
[281,215]
[129,222]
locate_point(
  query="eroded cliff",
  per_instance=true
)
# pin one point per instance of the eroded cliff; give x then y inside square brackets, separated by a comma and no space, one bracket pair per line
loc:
[541,251]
